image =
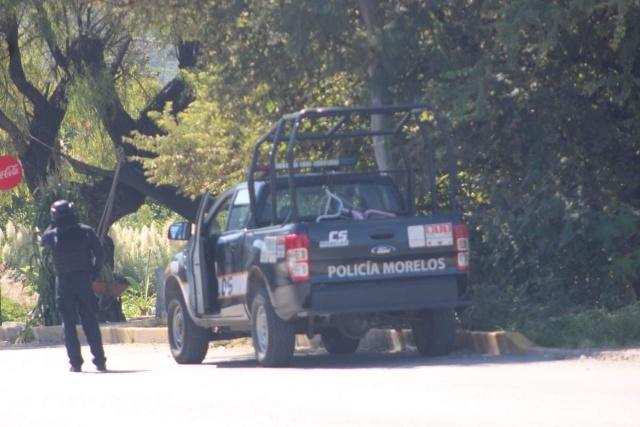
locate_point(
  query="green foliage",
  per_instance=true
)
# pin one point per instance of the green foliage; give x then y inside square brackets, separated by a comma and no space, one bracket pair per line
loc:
[148,213]
[13,312]
[16,249]
[15,206]
[140,251]
[56,188]
[82,134]
[139,299]
[239,95]
[590,328]
[202,148]
[551,189]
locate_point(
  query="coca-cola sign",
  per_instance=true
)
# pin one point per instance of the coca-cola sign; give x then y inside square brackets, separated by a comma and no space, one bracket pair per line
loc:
[10,172]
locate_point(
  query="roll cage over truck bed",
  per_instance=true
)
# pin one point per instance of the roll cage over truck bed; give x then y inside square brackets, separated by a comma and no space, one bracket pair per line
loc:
[280,133]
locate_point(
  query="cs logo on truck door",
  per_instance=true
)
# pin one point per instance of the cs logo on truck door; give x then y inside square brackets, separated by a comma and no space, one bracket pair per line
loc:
[337,239]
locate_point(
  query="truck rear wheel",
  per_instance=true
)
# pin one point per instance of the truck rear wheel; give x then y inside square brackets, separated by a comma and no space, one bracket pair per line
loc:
[335,342]
[434,331]
[273,338]
[188,342]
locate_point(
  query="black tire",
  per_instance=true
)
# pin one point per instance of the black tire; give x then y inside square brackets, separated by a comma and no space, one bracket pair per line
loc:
[188,342]
[335,342]
[273,338]
[434,331]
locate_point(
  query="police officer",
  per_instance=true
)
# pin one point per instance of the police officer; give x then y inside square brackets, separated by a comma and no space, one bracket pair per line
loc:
[77,258]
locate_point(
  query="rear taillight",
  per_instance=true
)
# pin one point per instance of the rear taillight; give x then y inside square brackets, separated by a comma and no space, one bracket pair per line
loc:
[461,235]
[297,256]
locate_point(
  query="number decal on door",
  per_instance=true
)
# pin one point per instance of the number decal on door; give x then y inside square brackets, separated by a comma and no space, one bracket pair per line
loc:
[226,286]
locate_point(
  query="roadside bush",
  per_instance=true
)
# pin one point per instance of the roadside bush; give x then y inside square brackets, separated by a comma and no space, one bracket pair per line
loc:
[139,252]
[590,328]
[16,246]
[148,213]
[139,299]
[13,312]
[539,254]
[16,206]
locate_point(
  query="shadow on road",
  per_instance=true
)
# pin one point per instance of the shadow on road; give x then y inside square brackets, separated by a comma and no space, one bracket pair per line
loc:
[116,371]
[16,347]
[388,360]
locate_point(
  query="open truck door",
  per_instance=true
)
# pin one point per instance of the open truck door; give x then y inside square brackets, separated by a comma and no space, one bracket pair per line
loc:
[197,269]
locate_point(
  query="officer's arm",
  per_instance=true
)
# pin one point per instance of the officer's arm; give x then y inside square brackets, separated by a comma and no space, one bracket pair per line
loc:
[98,252]
[46,238]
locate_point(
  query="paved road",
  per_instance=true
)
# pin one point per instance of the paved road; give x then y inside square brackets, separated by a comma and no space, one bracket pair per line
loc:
[146,388]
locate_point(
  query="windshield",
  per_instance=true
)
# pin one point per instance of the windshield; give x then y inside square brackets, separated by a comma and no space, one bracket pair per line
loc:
[312,200]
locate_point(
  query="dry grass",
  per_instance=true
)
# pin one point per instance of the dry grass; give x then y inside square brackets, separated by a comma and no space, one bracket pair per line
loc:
[140,251]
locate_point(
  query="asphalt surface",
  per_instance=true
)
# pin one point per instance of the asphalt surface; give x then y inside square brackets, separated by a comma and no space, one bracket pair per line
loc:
[145,387]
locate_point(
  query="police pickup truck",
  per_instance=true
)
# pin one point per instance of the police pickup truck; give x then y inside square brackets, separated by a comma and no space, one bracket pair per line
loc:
[323,246]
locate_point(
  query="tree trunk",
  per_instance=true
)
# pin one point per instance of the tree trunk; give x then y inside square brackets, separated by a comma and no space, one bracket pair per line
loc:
[380,95]
[34,150]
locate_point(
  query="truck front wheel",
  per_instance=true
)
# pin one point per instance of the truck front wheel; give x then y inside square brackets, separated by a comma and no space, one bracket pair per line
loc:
[273,338]
[434,331]
[188,342]
[335,342]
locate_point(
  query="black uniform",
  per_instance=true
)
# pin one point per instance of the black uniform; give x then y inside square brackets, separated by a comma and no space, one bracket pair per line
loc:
[78,258]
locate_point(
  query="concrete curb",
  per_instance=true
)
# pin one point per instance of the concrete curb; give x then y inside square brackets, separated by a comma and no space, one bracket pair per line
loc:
[135,331]
[152,331]
[9,333]
[494,343]
[489,343]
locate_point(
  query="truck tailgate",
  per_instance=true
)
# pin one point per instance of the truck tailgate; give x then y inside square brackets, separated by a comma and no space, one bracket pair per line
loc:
[353,251]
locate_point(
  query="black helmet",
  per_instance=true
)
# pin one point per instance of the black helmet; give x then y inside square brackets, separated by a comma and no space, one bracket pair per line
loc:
[62,210]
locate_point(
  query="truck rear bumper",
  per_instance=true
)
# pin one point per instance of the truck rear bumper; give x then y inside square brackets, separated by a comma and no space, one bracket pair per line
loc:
[381,296]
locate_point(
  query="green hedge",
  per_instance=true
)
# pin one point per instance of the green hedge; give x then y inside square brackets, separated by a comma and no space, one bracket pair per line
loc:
[591,328]
[13,312]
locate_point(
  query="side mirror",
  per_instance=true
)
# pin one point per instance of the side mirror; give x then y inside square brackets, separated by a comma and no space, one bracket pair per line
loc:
[179,231]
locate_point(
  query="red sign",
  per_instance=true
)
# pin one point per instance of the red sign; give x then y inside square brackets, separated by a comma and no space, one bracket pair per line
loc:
[10,172]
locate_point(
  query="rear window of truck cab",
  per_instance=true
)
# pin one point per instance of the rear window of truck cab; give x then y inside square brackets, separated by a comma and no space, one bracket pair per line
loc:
[312,200]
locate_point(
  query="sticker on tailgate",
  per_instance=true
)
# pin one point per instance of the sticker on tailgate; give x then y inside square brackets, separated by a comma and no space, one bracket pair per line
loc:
[430,235]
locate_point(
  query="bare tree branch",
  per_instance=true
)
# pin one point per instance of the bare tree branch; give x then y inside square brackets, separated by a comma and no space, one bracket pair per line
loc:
[88,19]
[87,169]
[117,62]
[47,31]
[14,132]
[16,71]
[104,28]
[66,25]
[59,93]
